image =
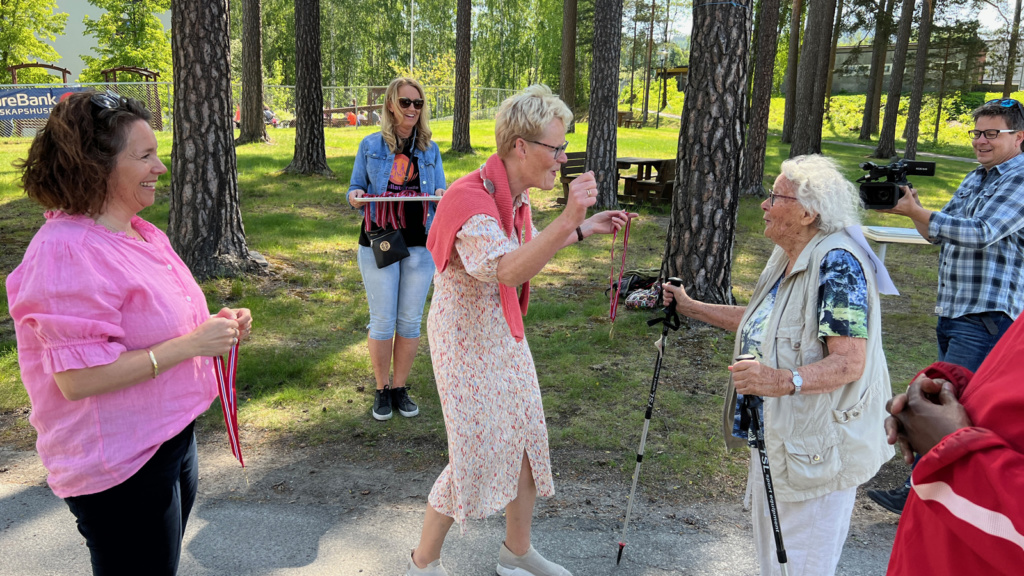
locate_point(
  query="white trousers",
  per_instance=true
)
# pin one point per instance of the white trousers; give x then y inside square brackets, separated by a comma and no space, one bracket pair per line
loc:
[813,531]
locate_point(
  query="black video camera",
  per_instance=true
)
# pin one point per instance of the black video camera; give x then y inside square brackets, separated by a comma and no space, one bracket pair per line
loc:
[884,195]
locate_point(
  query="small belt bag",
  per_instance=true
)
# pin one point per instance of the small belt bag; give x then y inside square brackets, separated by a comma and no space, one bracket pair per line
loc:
[388,246]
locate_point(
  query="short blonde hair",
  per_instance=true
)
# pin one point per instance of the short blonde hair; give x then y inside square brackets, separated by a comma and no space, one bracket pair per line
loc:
[526,114]
[822,189]
[387,121]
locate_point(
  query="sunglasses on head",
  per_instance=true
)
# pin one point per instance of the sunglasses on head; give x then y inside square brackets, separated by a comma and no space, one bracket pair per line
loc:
[108,99]
[405,103]
[1008,103]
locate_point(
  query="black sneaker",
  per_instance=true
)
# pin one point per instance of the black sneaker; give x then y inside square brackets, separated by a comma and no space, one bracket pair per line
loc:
[401,402]
[382,404]
[891,500]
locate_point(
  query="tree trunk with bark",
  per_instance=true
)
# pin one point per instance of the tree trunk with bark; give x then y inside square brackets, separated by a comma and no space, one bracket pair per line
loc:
[567,74]
[604,97]
[887,137]
[764,70]
[1011,58]
[252,128]
[810,96]
[832,55]
[879,50]
[310,155]
[792,63]
[205,223]
[920,73]
[710,156]
[463,40]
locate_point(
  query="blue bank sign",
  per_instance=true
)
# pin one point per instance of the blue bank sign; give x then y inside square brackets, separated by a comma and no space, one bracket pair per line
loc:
[25,103]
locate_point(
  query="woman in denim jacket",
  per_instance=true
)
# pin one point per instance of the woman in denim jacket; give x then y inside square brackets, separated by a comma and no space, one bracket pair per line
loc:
[400,159]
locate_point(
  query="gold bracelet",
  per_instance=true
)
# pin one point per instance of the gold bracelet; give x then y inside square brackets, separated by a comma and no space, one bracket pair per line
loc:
[156,367]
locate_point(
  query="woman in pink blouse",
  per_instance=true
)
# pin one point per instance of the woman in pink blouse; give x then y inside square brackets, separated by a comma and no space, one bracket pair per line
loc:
[486,248]
[114,337]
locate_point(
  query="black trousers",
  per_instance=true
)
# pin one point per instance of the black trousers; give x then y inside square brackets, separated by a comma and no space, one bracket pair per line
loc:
[137,526]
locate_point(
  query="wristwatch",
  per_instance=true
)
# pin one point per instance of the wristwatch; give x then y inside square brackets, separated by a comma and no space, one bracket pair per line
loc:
[798,382]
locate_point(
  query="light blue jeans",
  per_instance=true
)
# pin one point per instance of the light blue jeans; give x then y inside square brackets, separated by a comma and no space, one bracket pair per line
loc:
[397,293]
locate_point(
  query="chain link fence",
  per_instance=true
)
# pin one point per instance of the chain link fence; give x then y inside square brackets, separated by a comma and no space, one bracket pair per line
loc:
[159,99]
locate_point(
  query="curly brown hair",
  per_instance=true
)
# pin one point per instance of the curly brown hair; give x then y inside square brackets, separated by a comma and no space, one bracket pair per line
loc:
[71,158]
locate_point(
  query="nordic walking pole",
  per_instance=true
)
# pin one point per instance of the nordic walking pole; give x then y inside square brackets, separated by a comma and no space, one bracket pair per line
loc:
[769,488]
[670,321]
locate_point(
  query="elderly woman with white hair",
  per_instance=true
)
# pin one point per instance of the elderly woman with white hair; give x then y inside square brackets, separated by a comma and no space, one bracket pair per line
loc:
[819,375]
[485,247]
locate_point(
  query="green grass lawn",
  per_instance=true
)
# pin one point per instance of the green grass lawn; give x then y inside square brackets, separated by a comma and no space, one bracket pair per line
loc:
[305,377]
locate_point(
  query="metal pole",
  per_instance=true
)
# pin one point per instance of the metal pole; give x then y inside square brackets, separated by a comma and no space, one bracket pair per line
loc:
[670,321]
[769,489]
[412,28]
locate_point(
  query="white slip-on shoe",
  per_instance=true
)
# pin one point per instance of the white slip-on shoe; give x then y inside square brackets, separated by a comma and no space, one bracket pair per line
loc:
[435,568]
[529,564]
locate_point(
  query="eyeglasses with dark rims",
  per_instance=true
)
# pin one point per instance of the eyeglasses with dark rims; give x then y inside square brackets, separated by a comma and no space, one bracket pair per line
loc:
[557,149]
[108,99]
[405,103]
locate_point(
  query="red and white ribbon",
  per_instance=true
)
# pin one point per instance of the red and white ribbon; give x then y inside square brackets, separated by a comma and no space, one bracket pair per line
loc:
[617,285]
[226,373]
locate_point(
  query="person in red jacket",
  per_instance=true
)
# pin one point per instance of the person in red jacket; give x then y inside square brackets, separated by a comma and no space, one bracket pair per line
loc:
[964,514]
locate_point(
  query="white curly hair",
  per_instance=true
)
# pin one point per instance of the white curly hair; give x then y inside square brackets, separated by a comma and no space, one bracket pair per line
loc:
[822,189]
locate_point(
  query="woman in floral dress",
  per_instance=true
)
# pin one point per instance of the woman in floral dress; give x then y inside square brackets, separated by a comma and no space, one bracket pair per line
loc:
[485,247]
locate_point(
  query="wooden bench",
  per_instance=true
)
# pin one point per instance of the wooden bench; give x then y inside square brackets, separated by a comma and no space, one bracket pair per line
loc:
[569,171]
[654,191]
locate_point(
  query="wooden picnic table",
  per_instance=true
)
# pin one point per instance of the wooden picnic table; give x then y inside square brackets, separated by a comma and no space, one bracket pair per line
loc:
[652,183]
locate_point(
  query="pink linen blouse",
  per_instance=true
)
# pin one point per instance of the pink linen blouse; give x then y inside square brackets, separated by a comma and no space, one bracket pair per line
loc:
[81,297]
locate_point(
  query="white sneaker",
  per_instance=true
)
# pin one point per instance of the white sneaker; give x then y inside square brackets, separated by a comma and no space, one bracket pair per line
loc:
[435,568]
[529,564]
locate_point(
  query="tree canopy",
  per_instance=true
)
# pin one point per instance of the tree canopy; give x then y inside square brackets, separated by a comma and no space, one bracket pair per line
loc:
[129,33]
[25,26]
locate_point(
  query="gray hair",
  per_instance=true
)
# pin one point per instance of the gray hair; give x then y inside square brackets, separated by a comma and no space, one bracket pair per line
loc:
[822,189]
[526,115]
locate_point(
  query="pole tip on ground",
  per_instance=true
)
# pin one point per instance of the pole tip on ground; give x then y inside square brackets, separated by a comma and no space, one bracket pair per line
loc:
[619,557]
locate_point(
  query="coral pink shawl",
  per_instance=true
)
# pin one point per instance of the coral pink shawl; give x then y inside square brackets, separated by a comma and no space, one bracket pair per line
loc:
[484,191]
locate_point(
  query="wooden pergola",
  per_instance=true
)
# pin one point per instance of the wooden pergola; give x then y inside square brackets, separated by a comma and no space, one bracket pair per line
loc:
[152,95]
[14,70]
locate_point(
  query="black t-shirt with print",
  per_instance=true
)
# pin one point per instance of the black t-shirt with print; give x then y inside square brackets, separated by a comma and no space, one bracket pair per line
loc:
[405,177]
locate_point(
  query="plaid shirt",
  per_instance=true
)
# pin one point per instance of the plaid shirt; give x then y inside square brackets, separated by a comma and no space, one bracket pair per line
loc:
[981,230]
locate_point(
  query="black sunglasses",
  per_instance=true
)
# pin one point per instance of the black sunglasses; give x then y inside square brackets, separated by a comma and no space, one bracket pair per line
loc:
[405,103]
[1008,103]
[108,99]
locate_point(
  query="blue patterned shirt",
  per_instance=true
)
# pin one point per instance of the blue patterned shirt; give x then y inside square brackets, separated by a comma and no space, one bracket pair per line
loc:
[842,311]
[981,230]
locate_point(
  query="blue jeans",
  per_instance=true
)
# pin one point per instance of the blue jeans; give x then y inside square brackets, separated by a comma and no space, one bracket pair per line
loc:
[136,527]
[396,293]
[968,339]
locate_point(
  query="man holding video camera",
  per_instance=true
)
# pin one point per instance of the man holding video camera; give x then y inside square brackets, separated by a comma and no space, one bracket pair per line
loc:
[981,263]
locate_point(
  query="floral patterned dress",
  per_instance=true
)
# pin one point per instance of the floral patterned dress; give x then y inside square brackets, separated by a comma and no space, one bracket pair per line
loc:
[486,380]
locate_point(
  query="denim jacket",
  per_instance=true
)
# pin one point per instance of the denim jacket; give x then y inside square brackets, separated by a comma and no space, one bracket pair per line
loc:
[373,168]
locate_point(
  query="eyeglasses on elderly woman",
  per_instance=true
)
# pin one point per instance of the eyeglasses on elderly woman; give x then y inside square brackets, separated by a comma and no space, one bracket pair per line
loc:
[772,196]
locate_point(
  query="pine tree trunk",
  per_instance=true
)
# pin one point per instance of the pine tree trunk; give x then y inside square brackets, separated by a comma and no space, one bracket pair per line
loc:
[791,69]
[460,126]
[205,223]
[810,96]
[567,74]
[310,155]
[764,70]
[604,98]
[887,137]
[879,50]
[710,156]
[1011,57]
[253,128]
[920,72]
[832,55]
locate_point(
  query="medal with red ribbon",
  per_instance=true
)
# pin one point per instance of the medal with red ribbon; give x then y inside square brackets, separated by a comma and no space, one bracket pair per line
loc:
[226,373]
[617,285]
